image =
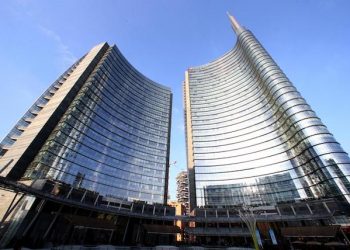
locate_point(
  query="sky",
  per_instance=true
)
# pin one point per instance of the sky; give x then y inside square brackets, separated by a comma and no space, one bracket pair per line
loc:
[309,40]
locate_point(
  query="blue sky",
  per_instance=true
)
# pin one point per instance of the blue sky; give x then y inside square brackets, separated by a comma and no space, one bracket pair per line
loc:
[310,40]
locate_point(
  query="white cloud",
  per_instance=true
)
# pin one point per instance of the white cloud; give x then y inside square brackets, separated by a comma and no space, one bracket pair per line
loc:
[66,55]
[21,9]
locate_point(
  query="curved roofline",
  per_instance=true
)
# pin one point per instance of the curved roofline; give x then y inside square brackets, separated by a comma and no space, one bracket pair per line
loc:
[139,72]
[216,59]
[238,29]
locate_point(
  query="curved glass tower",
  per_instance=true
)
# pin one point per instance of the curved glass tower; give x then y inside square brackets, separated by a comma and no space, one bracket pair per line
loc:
[102,126]
[252,138]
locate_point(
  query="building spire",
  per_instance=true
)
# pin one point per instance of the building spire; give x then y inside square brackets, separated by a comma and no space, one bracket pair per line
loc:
[235,25]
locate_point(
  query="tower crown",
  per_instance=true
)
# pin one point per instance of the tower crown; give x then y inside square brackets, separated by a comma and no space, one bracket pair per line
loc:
[235,24]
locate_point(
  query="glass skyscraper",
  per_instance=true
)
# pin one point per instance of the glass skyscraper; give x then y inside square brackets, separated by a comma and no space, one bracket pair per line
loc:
[102,126]
[252,138]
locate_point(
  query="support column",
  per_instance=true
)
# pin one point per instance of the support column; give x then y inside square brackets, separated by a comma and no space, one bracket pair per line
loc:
[278,211]
[82,198]
[309,209]
[11,207]
[138,231]
[110,237]
[126,230]
[95,203]
[327,208]
[293,210]
[39,208]
[53,221]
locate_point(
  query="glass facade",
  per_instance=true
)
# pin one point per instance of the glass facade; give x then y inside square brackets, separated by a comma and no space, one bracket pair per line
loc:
[252,138]
[114,137]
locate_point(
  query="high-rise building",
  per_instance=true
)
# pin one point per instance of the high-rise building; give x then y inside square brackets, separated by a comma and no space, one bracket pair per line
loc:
[100,134]
[182,189]
[88,164]
[102,126]
[252,138]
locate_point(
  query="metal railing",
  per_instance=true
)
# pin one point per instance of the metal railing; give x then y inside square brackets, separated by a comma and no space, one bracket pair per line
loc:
[82,198]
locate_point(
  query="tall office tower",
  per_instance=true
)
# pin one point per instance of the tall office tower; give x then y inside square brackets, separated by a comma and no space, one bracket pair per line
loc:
[251,137]
[102,126]
[182,189]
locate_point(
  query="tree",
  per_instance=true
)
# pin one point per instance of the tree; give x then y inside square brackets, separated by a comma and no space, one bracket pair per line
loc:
[249,218]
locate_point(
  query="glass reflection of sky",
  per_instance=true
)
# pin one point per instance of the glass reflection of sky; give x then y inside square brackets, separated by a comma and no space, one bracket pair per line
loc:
[255,139]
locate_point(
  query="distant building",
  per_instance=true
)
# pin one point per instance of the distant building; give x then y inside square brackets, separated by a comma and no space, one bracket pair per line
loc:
[182,189]
[180,209]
